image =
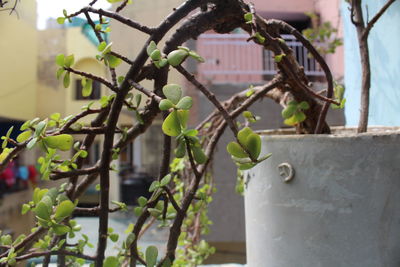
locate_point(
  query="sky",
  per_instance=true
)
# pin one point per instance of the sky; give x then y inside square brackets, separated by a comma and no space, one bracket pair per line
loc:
[53,8]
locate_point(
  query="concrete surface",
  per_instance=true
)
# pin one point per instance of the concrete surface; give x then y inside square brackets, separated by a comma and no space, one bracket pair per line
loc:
[341,209]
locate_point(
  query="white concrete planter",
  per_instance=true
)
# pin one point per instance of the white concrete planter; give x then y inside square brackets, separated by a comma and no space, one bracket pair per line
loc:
[341,209]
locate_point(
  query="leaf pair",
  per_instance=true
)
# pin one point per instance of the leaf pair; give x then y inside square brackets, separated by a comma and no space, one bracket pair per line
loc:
[44,210]
[339,96]
[156,56]
[247,150]
[109,59]
[176,57]
[64,62]
[293,113]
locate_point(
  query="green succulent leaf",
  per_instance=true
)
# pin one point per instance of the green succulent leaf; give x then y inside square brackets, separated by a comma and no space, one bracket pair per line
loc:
[236,150]
[42,211]
[278,58]
[253,145]
[180,151]
[101,46]
[111,261]
[199,155]
[171,125]
[196,56]
[87,87]
[22,137]
[185,103]
[300,116]
[114,237]
[60,60]
[259,37]
[246,166]
[162,62]
[173,92]
[183,117]
[25,208]
[154,186]
[69,61]
[289,111]
[60,20]
[176,57]
[165,104]
[151,47]
[151,256]
[64,210]
[67,80]
[142,201]
[112,61]
[243,134]
[155,55]
[166,180]
[32,143]
[60,229]
[38,194]
[62,142]
[248,17]
[304,105]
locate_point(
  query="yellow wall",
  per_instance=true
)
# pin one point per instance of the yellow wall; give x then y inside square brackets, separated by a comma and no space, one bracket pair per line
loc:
[18,46]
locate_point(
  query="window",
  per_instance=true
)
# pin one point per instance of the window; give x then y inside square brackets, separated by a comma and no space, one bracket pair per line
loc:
[95,92]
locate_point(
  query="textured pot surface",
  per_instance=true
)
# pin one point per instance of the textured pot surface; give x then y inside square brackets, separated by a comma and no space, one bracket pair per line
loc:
[342,207]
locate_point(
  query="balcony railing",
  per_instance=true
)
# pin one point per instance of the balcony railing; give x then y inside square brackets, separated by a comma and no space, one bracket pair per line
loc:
[230,58]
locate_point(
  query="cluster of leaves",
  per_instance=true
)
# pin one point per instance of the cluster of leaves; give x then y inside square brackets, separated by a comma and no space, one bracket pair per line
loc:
[175,124]
[65,62]
[323,37]
[246,151]
[51,208]
[339,96]
[248,17]
[6,241]
[294,112]
[109,59]
[193,251]
[174,58]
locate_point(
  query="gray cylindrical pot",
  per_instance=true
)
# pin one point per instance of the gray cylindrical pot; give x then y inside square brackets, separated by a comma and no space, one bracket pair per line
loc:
[341,209]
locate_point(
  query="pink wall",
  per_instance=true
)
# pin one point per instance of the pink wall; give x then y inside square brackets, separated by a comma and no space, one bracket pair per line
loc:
[330,11]
[285,5]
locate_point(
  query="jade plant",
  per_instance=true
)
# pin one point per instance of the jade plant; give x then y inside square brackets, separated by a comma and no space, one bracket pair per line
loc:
[184,186]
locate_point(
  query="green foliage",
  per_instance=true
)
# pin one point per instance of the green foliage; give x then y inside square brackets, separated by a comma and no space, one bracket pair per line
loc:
[278,58]
[62,142]
[339,96]
[259,37]
[111,261]
[293,113]
[151,256]
[172,92]
[246,151]
[176,57]
[248,17]
[323,37]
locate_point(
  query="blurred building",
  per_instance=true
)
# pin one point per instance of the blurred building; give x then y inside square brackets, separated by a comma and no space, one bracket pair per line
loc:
[29,88]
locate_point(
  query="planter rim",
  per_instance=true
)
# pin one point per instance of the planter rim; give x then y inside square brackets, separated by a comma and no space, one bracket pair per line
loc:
[337,132]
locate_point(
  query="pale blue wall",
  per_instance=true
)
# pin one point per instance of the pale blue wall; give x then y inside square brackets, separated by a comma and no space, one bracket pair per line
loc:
[384,41]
